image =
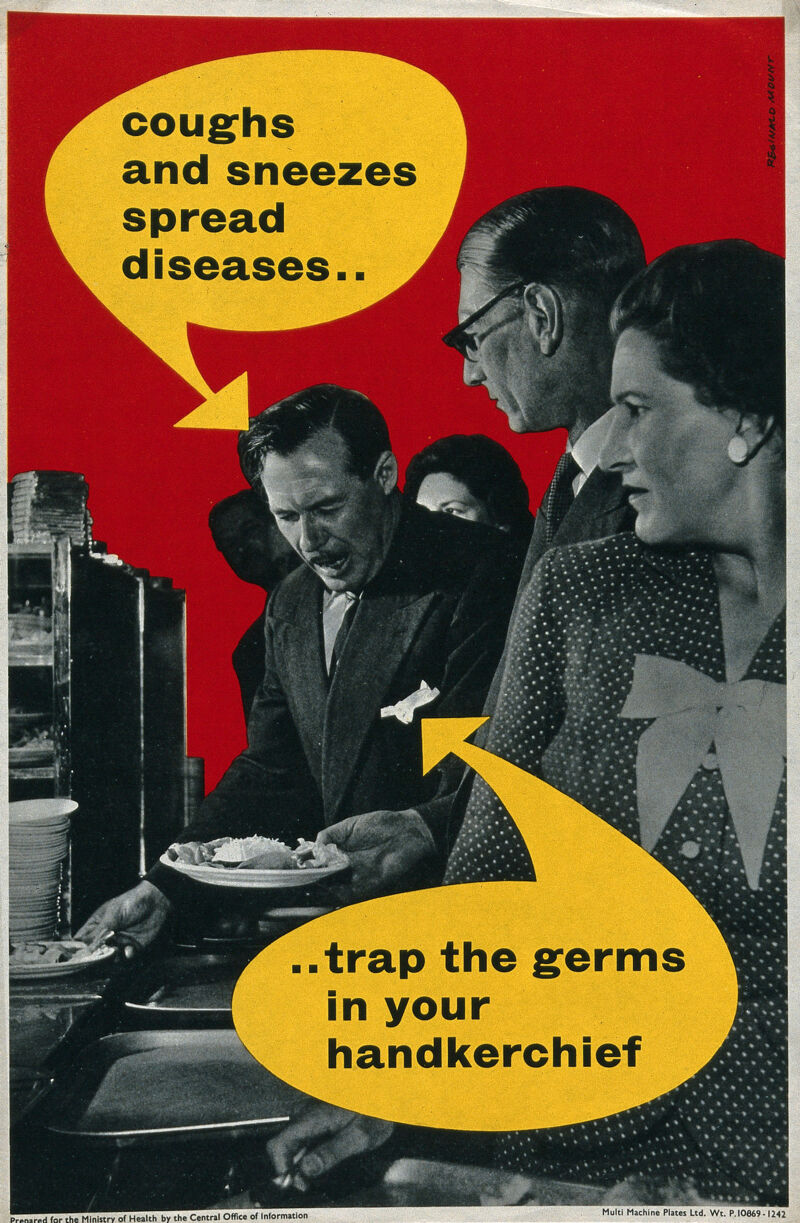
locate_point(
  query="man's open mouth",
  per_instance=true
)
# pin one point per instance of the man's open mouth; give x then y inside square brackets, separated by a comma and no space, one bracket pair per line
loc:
[330,566]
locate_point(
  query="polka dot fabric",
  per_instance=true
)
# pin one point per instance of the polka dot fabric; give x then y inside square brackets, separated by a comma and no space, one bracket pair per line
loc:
[588,610]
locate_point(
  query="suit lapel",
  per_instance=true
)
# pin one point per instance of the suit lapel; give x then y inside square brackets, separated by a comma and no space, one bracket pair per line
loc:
[380,638]
[303,663]
[386,624]
[536,548]
[598,510]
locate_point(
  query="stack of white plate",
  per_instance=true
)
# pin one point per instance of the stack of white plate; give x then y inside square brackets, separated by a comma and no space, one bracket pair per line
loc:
[38,838]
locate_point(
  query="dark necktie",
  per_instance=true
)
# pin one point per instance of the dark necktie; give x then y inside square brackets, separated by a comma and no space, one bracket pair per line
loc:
[559,495]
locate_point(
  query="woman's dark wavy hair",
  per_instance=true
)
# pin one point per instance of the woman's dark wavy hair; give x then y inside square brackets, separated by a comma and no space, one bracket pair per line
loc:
[716,310]
[286,425]
[484,466]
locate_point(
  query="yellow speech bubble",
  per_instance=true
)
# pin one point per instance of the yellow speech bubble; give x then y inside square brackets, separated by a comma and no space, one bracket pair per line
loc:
[257,193]
[500,1006]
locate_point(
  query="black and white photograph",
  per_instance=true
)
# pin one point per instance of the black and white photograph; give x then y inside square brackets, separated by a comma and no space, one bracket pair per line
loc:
[397,612]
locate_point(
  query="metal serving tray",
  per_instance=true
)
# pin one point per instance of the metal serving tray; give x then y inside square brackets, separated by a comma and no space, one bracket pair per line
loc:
[150,1086]
[187,991]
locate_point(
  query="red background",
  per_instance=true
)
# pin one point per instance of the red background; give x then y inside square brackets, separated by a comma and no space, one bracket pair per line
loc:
[668,117]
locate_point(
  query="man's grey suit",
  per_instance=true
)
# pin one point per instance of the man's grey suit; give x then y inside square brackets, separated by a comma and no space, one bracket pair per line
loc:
[319,750]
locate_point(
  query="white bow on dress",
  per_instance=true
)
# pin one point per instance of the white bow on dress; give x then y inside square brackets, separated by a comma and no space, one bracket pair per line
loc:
[744,721]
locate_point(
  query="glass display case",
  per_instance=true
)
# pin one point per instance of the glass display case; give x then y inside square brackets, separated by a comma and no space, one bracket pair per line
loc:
[97,709]
[39,665]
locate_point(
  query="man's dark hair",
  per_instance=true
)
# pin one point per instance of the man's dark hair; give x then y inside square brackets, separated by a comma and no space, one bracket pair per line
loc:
[484,466]
[716,311]
[246,533]
[280,429]
[245,501]
[562,236]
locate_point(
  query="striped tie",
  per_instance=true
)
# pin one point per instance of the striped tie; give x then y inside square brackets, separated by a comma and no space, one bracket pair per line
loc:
[559,495]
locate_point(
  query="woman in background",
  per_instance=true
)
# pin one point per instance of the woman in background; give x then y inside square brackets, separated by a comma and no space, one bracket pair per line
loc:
[473,477]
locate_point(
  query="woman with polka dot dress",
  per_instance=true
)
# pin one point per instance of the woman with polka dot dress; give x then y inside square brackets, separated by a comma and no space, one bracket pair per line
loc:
[645,678]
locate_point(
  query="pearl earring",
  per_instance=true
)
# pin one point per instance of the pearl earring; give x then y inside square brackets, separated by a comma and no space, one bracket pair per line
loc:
[738,452]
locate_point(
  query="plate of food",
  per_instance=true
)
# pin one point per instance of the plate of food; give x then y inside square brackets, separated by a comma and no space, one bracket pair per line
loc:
[41,958]
[255,862]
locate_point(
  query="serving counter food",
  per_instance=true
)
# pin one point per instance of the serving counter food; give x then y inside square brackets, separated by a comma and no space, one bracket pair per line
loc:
[131,1091]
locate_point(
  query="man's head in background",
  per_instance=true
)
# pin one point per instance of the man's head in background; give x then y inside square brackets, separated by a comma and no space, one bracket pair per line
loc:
[247,535]
[324,461]
[539,274]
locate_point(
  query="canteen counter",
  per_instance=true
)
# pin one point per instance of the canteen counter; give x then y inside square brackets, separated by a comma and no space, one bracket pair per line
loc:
[132,1092]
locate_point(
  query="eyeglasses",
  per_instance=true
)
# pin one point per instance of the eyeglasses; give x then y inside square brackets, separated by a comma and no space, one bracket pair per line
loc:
[461,339]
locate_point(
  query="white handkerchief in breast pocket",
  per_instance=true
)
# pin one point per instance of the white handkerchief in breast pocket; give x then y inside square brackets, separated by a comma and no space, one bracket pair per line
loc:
[404,710]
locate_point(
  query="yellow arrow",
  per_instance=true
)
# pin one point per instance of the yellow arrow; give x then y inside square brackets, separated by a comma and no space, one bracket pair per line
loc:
[551,823]
[227,409]
[600,986]
[443,736]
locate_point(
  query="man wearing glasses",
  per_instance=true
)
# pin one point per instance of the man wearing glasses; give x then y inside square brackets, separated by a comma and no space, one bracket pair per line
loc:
[539,274]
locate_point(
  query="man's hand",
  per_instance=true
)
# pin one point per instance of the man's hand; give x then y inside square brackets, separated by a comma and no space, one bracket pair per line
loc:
[136,918]
[389,851]
[319,1138]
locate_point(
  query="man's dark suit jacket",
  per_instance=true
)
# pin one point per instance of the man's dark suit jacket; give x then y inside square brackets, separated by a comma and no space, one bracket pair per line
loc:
[317,752]
[248,661]
[600,509]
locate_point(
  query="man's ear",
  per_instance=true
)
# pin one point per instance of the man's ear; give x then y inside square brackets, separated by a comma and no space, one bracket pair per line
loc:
[386,472]
[544,314]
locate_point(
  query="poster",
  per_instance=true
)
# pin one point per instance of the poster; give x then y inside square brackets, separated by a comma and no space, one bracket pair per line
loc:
[677,119]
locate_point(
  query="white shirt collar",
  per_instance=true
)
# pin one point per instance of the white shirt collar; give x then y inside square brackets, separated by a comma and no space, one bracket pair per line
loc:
[586,451]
